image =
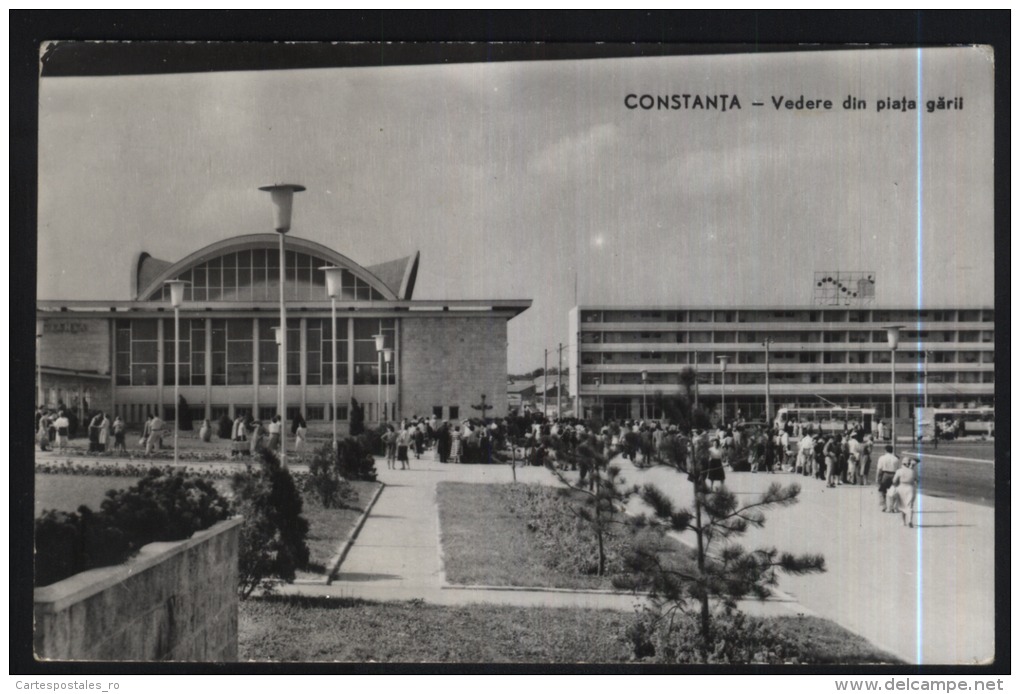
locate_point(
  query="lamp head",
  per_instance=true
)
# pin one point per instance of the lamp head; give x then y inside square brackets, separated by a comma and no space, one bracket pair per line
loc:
[387,354]
[277,335]
[39,323]
[334,275]
[722,362]
[644,376]
[176,292]
[380,342]
[892,333]
[283,203]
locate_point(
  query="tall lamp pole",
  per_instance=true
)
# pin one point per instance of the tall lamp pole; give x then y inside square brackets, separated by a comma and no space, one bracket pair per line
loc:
[893,337]
[334,277]
[927,353]
[768,400]
[176,298]
[722,368]
[545,385]
[644,394]
[282,195]
[380,344]
[387,359]
[598,385]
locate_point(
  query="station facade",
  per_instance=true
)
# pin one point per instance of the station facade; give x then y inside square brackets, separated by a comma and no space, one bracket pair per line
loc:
[118,355]
[818,356]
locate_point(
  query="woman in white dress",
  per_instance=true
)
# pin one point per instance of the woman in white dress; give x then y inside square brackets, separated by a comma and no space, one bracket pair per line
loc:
[905,489]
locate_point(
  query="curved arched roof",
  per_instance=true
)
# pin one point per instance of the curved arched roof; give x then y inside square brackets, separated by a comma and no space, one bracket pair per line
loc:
[150,283]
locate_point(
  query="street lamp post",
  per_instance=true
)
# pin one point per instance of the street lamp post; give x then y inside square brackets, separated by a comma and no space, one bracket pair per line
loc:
[282,195]
[598,385]
[334,276]
[176,298]
[644,394]
[722,367]
[380,344]
[768,400]
[893,337]
[387,359]
[927,353]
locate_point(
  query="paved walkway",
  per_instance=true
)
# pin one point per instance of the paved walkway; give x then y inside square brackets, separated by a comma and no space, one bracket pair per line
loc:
[926,595]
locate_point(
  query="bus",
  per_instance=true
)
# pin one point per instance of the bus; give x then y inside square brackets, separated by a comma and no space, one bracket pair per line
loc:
[828,419]
[955,423]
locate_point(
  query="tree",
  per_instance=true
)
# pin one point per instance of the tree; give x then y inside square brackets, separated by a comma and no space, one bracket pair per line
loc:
[599,492]
[717,517]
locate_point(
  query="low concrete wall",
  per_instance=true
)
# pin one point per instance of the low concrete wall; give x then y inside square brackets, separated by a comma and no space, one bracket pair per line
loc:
[172,601]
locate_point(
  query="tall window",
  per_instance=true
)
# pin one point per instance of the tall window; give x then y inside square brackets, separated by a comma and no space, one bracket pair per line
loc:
[232,352]
[320,351]
[254,275]
[366,359]
[269,362]
[192,352]
[137,346]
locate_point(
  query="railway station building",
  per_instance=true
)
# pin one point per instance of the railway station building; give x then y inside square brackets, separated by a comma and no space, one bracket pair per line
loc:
[117,355]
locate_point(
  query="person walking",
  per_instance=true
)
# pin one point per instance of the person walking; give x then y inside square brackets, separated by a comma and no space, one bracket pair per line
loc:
[119,431]
[62,425]
[205,432]
[275,432]
[830,451]
[94,425]
[255,442]
[104,433]
[390,444]
[403,442]
[904,488]
[154,441]
[885,469]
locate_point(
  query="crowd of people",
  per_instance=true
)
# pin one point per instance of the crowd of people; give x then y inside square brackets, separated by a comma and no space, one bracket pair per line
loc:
[835,458]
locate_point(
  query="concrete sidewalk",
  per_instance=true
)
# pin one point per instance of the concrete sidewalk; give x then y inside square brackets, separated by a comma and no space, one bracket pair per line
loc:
[926,595]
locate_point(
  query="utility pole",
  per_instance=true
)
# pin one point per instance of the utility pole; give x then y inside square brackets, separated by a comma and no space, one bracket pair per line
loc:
[768,399]
[545,385]
[559,380]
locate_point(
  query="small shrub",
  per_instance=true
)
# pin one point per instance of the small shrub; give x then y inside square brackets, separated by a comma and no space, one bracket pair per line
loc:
[324,481]
[272,543]
[736,638]
[354,458]
[223,427]
[162,507]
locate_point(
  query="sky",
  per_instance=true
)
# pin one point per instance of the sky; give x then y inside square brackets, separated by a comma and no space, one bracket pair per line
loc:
[534,180]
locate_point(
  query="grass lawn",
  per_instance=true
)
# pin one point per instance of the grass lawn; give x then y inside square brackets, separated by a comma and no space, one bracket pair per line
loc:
[68,492]
[328,527]
[526,535]
[294,630]
[345,630]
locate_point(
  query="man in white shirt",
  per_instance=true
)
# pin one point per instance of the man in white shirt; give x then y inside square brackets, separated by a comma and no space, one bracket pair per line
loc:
[887,465]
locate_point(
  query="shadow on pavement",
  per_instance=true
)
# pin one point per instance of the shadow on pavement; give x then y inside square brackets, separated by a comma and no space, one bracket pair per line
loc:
[361,578]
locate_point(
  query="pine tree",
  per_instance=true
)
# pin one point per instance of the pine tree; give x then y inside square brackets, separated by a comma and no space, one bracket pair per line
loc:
[717,518]
[599,493]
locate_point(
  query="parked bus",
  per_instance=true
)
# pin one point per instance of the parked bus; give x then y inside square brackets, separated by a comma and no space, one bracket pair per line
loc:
[955,423]
[828,419]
